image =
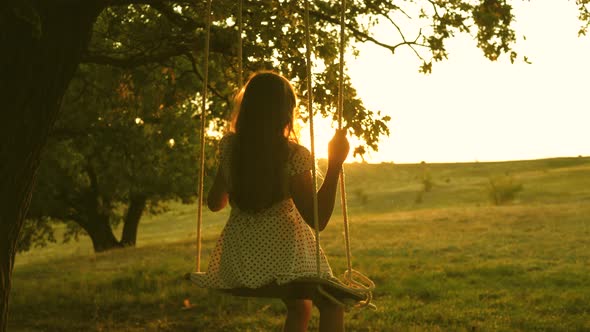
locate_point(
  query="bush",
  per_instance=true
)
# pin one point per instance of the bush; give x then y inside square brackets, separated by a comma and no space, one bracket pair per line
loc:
[503,189]
[426,181]
[426,178]
[361,196]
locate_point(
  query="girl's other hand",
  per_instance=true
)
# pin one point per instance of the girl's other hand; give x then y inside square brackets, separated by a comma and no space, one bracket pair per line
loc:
[338,148]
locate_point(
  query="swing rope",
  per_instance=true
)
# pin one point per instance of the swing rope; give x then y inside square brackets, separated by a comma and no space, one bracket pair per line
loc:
[343,201]
[363,284]
[240,28]
[350,274]
[312,141]
[203,118]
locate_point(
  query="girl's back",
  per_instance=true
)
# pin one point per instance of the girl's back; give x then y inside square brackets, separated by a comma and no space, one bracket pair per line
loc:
[269,245]
[266,179]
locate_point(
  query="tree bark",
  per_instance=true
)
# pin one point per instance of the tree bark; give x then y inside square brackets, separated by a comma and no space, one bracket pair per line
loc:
[100,232]
[137,205]
[96,219]
[42,44]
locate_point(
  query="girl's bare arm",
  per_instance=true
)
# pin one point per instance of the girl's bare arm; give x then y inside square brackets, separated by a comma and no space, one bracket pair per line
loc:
[218,196]
[302,185]
[302,191]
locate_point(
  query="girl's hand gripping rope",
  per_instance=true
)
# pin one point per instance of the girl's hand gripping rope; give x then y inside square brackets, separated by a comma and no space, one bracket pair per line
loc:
[338,149]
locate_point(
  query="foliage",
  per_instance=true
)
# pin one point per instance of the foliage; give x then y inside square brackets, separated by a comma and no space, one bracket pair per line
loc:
[503,189]
[36,233]
[121,134]
[273,34]
[584,16]
[273,39]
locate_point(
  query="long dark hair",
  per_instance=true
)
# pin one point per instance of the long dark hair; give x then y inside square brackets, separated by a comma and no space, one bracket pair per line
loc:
[263,125]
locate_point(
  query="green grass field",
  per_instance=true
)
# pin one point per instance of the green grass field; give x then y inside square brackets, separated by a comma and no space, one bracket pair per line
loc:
[453,262]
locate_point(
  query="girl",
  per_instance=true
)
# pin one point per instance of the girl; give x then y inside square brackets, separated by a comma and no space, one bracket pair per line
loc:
[267,243]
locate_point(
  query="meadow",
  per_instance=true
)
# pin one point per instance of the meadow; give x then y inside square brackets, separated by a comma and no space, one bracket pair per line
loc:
[446,259]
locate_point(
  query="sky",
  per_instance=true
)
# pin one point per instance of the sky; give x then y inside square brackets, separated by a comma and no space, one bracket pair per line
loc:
[472,109]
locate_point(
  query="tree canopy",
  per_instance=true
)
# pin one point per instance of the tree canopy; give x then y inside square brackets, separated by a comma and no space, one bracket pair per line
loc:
[123,144]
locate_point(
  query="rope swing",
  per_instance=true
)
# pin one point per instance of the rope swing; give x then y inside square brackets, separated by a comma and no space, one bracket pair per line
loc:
[314,174]
[355,289]
[362,288]
[240,43]
[203,119]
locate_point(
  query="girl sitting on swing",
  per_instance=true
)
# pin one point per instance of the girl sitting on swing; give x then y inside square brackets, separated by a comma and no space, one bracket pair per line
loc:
[267,243]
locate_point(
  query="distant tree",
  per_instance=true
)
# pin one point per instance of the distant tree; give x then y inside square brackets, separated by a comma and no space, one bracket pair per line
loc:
[427,182]
[45,41]
[122,144]
[503,189]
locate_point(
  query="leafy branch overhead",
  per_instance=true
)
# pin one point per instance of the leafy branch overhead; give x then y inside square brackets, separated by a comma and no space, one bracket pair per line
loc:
[584,16]
[150,33]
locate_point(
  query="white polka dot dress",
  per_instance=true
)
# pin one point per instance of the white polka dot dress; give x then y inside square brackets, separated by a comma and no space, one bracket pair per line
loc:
[274,245]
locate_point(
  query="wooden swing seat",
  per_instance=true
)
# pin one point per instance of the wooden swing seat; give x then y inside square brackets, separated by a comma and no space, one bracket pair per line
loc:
[307,288]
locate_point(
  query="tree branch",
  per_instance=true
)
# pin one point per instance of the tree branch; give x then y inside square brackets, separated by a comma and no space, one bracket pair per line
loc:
[196,71]
[184,22]
[411,44]
[108,3]
[134,60]
[360,35]
[221,42]
[60,134]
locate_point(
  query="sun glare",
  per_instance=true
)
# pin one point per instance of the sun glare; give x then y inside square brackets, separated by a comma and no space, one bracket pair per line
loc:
[324,130]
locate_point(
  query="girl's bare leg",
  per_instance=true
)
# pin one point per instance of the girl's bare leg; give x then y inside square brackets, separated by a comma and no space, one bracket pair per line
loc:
[331,315]
[298,315]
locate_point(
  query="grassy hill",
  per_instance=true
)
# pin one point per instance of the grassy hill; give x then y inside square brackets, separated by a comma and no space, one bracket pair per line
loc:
[446,259]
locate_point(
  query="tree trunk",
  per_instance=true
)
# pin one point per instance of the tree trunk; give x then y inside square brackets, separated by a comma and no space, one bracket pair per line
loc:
[100,232]
[42,44]
[97,221]
[137,204]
